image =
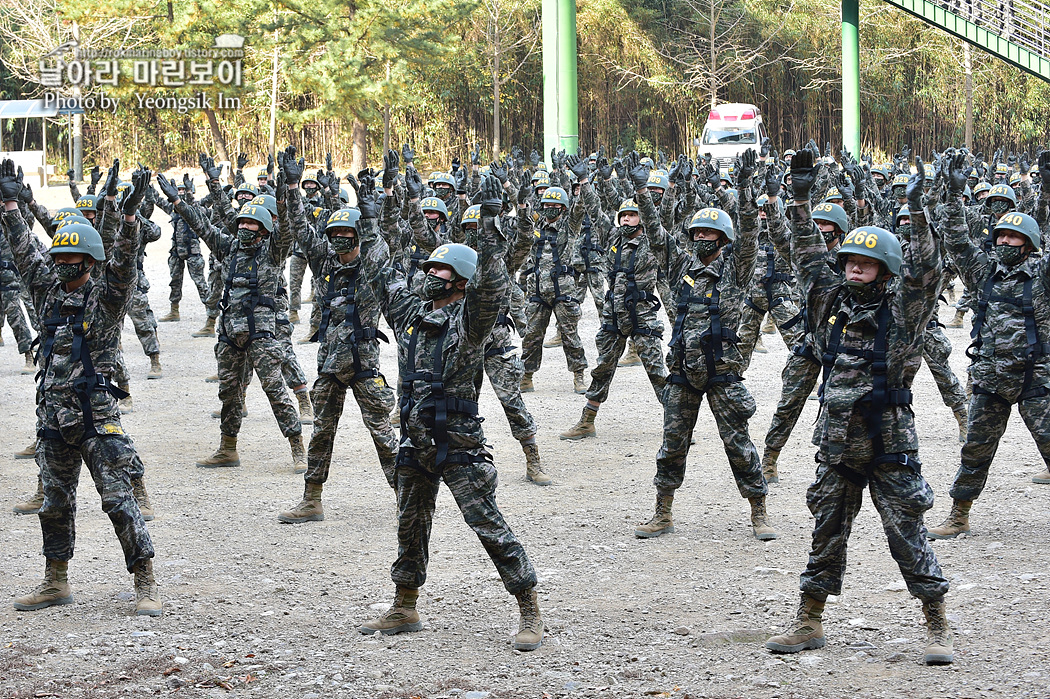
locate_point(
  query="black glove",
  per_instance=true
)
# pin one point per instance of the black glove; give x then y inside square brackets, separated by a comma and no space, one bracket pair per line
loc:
[187,185]
[366,197]
[767,146]
[407,154]
[1044,170]
[10,186]
[96,175]
[499,171]
[517,155]
[534,158]
[112,179]
[211,170]
[328,161]
[803,174]
[168,188]
[491,197]
[26,194]
[639,174]
[713,177]
[578,166]
[390,168]
[455,165]
[242,160]
[139,184]
[460,175]
[71,174]
[292,168]
[605,169]
[1026,165]
[957,175]
[772,182]
[846,185]
[675,174]
[746,169]
[269,166]
[413,183]
[621,169]
[475,155]
[914,189]
[661,159]
[523,192]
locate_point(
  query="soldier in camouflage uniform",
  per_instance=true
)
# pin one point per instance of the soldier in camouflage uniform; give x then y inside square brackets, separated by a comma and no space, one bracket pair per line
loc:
[441,348]
[869,334]
[632,306]
[185,254]
[11,308]
[345,260]
[253,263]
[77,415]
[709,284]
[1010,353]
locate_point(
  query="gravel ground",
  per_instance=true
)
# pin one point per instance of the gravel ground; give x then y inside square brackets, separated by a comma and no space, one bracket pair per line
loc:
[256,608]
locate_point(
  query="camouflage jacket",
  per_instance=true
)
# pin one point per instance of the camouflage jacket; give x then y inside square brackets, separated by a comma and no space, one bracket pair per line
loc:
[1000,350]
[550,276]
[398,230]
[97,308]
[9,277]
[347,345]
[589,252]
[247,309]
[454,336]
[842,428]
[697,286]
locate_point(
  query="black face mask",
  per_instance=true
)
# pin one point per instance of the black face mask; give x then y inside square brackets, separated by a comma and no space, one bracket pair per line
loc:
[998,207]
[865,293]
[629,231]
[1010,255]
[704,248]
[70,271]
[310,192]
[657,196]
[435,288]
[443,193]
[247,238]
[551,213]
[435,225]
[343,244]
[904,230]
[899,192]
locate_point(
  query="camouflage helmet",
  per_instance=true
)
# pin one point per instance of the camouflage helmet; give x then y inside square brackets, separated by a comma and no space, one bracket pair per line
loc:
[246,188]
[76,237]
[981,187]
[627,205]
[833,194]
[904,211]
[833,214]
[87,202]
[437,178]
[267,201]
[658,180]
[876,243]
[257,213]
[472,215]
[435,204]
[1020,223]
[715,219]
[343,218]
[555,195]
[463,259]
[1001,191]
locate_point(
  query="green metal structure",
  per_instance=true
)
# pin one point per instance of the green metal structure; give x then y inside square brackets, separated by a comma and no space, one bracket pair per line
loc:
[851,76]
[561,129]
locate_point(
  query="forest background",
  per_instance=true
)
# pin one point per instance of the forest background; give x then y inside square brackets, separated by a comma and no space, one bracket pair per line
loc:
[351,76]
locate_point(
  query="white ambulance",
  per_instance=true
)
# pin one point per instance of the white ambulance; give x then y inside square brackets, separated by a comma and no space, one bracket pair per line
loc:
[730,130]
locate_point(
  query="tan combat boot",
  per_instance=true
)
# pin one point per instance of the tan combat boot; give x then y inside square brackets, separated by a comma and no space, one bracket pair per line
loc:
[579,382]
[147,595]
[173,315]
[962,418]
[306,407]
[760,346]
[155,370]
[214,378]
[957,321]
[27,453]
[53,591]
[630,357]
[661,522]
[530,627]
[402,615]
[584,428]
[309,510]
[305,340]
[555,341]
[208,330]
[30,368]
[939,645]
[126,405]
[957,522]
[768,328]
[293,316]
[138,489]
[526,384]
[225,455]
[32,505]
[769,465]
[760,520]
[533,470]
[806,631]
[298,453]
[1042,479]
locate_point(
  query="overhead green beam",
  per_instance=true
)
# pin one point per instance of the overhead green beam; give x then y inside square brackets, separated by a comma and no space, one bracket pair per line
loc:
[980,37]
[550,76]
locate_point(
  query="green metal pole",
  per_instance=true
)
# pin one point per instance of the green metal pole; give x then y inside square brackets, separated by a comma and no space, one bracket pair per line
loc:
[851,76]
[568,108]
[549,21]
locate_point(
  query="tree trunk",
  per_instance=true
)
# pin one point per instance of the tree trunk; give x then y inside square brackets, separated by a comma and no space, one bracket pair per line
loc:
[713,57]
[496,51]
[216,134]
[273,97]
[968,92]
[359,154]
[386,117]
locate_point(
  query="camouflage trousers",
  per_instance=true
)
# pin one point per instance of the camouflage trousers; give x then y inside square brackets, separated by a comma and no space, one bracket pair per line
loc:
[27,301]
[11,309]
[518,306]
[266,356]
[798,379]
[667,299]
[291,370]
[732,406]
[145,323]
[296,273]
[567,315]
[473,485]
[785,316]
[121,376]
[611,345]
[215,286]
[504,368]
[593,282]
[376,400]
[988,417]
[936,350]
[195,264]
[110,460]
[901,496]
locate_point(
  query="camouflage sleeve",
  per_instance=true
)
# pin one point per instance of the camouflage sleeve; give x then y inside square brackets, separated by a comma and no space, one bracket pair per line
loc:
[660,241]
[34,263]
[1025,196]
[150,230]
[313,245]
[390,223]
[1042,209]
[219,242]
[778,231]
[164,204]
[822,183]
[522,243]
[727,202]
[474,183]
[575,222]
[810,254]
[745,247]
[921,273]
[969,259]
[667,206]
[41,214]
[849,205]
[111,220]
[424,237]
[488,290]
[455,221]
[238,178]
[690,205]
[121,272]
[74,191]
[608,195]
[282,237]
[375,253]
[220,201]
